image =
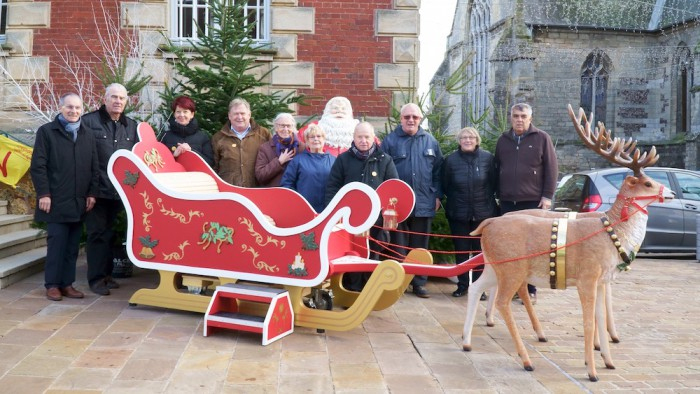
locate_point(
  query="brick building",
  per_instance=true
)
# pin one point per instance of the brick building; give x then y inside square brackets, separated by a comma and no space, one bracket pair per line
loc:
[632,64]
[364,50]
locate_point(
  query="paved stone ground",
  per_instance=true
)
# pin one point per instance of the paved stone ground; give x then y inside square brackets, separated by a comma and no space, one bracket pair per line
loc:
[101,344]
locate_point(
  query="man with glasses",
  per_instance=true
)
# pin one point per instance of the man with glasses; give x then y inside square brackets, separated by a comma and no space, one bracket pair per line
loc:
[417,156]
[527,167]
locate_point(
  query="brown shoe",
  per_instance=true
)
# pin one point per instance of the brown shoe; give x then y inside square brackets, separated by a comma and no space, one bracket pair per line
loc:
[53,294]
[71,292]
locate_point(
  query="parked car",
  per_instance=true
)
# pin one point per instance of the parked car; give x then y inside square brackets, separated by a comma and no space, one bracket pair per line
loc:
[671,226]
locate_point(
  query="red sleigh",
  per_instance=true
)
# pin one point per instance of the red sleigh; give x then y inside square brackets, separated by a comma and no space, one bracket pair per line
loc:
[197,231]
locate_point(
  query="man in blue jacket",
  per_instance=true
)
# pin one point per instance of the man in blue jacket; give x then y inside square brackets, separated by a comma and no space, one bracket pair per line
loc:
[418,158]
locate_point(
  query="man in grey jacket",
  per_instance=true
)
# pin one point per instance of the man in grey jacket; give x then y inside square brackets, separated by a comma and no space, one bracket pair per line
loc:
[112,130]
[417,156]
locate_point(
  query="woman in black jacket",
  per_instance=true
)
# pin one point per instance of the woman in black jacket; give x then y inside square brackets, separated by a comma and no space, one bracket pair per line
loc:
[469,181]
[184,133]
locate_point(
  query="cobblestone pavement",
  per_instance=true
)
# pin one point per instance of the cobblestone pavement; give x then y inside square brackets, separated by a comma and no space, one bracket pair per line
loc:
[101,344]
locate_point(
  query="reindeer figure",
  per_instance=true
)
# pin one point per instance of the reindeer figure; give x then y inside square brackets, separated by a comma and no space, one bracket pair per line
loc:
[517,248]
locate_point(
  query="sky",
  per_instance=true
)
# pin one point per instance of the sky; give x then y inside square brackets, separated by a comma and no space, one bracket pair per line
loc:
[435,24]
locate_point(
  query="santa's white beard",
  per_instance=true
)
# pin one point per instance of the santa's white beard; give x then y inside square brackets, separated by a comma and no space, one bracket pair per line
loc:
[338,131]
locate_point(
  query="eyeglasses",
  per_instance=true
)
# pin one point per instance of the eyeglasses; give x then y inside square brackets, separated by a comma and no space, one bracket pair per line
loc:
[284,126]
[409,117]
[467,138]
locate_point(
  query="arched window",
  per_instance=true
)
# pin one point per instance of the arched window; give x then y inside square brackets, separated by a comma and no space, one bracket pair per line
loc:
[683,74]
[477,89]
[594,84]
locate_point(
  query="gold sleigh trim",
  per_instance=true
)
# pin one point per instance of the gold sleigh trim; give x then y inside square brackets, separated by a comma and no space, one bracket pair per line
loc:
[176,255]
[260,265]
[144,216]
[258,237]
[153,159]
[177,215]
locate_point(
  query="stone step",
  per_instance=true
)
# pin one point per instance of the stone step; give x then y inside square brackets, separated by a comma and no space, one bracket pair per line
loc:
[21,241]
[12,223]
[21,265]
[3,207]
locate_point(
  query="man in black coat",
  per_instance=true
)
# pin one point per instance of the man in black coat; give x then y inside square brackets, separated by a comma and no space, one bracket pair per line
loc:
[363,162]
[112,131]
[65,174]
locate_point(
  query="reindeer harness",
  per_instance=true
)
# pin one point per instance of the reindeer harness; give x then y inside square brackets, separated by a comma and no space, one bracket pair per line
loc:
[557,254]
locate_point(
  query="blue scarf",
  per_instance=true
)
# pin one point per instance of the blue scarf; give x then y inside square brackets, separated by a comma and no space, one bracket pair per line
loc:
[283,144]
[70,127]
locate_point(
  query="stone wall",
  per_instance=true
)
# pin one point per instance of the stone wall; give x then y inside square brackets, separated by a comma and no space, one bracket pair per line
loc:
[573,156]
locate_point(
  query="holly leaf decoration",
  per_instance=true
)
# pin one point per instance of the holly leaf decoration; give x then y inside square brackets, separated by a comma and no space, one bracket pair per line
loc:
[308,241]
[130,178]
[148,242]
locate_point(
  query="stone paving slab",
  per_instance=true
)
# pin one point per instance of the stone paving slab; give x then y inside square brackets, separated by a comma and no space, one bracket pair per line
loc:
[103,345]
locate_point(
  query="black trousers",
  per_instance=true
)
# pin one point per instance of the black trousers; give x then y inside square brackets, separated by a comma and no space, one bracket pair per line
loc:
[421,227]
[464,247]
[512,206]
[62,244]
[356,281]
[100,238]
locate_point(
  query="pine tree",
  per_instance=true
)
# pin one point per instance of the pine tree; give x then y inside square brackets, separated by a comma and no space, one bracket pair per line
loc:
[221,66]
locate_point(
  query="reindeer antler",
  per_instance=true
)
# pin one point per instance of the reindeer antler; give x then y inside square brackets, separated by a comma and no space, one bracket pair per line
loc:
[615,150]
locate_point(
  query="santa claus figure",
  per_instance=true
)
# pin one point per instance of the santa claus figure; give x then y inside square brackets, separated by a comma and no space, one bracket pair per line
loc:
[338,123]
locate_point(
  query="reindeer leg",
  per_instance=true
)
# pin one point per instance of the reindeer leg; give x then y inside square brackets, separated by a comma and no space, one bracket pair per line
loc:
[486,280]
[602,332]
[531,312]
[587,295]
[490,303]
[609,314]
[503,301]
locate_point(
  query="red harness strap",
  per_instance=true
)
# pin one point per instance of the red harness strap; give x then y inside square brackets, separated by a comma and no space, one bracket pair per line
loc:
[633,201]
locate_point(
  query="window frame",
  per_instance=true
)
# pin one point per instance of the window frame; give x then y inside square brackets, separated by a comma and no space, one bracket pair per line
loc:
[3,20]
[259,7]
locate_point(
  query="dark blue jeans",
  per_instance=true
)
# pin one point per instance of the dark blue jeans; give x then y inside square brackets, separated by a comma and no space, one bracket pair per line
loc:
[62,244]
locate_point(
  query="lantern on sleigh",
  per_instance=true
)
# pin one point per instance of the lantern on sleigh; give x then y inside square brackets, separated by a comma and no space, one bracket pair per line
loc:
[390,215]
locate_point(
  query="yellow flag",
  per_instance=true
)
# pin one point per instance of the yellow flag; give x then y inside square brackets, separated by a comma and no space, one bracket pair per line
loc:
[15,158]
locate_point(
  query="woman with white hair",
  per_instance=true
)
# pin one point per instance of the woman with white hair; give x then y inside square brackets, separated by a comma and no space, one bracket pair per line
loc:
[275,155]
[469,181]
[308,172]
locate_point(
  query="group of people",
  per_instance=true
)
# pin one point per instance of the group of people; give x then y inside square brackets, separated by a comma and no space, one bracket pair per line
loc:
[69,171]
[521,174]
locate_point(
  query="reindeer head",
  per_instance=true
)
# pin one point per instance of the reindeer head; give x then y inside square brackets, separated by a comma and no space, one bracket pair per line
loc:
[626,154]
[616,151]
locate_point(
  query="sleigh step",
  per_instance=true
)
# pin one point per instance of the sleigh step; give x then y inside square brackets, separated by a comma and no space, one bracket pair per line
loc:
[224,311]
